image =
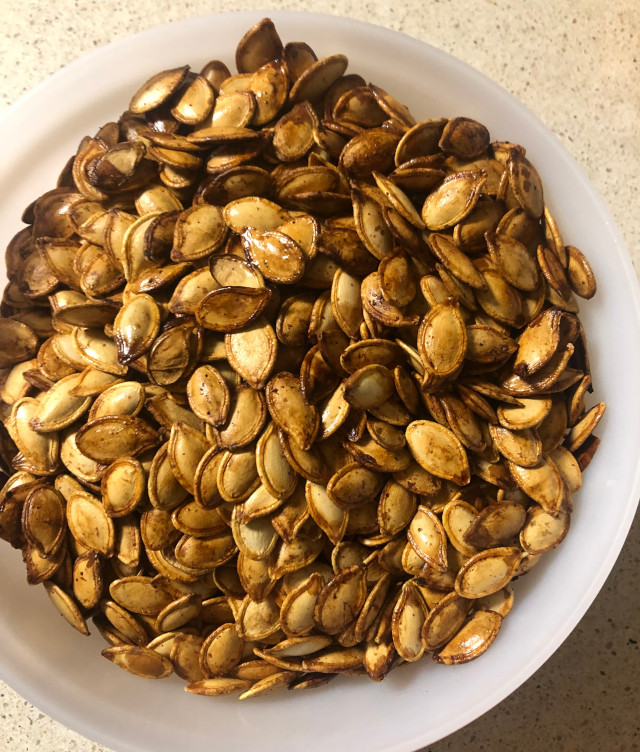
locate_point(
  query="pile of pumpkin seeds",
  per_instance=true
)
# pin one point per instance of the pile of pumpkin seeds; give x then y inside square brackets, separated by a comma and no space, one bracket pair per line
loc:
[292,385]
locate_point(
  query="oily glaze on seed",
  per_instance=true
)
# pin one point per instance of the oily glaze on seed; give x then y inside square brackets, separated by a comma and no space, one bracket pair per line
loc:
[291,384]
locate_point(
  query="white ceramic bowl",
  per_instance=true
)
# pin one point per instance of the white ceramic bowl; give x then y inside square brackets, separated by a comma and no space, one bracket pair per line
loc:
[64,674]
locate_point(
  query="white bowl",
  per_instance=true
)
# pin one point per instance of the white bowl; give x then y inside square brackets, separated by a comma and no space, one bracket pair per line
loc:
[64,674]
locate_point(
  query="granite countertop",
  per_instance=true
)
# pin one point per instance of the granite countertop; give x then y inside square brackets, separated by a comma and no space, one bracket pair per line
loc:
[576,65]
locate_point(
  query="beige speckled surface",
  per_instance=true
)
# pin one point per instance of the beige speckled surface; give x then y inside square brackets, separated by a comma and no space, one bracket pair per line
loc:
[576,65]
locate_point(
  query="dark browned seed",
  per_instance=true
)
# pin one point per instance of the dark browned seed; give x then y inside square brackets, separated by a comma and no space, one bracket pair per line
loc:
[464,138]
[290,384]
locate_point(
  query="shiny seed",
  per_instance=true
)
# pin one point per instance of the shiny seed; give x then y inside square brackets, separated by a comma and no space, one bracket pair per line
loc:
[341,600]
[442,339]
[369,387]
[346,302]
[290,409]
[89,523]
[397,279]
[585,427]
[408,621]
[464,138]
[453,200]
[140,661]
[437,450]
[218,686]
[473,639]
[428,538]
[187,446]
[522,447]
[123,486]
[43,516]
[330,517]
[487,572]
[353,485]
[543,531]
[252,352]
[208,395]
[88,579]
[298,608]
[195,103]
[66,607]
[140,595]
[513,260]
[157,89]
[581,276]
[444,621]
[525,184]
[496,524]
[108,438]
[543,483]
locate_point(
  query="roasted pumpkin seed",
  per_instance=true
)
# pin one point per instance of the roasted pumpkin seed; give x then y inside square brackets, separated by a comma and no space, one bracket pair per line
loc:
[239,247]
[473,639]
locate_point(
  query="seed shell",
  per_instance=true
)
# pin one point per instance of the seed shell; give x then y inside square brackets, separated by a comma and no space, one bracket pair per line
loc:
[66,607]
[234,434]
[428,538]
[487,572]
[444,620]
[229,309]
[140,661]
[290,409]
[437,450]
[473,639]
[252,352]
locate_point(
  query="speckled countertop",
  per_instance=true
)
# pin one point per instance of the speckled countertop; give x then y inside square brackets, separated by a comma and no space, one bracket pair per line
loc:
[576,65]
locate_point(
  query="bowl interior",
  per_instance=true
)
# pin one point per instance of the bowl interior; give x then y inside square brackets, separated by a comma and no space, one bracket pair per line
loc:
[65,675]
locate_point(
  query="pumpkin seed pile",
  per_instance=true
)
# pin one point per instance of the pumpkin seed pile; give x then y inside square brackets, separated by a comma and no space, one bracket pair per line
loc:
[292,384]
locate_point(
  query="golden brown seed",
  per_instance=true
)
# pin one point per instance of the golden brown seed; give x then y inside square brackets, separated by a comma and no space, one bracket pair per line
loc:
[581,276]
[228,309]
[221,651]
[455,260]
[513,261]
[442,339]
[291,411]
[139,661]
[341,600]
[89,524]
[208,395]
[88,579]
[422,449]
[476,636]
[408,621]
[318,77]
[66,607]
[543,531]
[487,572]
[123,486]
[437,450]
[585,427]
[496,524]
[453,200]
[369,387]
[327,514]
[278,257]
[464,138]
[428,538]
[108,438]
[444,620]
[218,686]
[353,485]
[252,352]
[542,482]
[525,184]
